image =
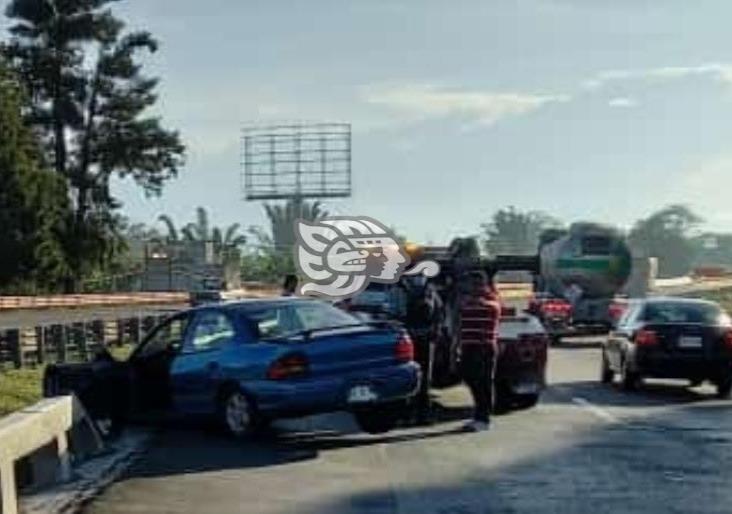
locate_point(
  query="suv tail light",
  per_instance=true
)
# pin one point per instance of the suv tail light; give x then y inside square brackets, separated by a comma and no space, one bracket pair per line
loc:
[616,310]
[646,338]
[404,351]
[289,366]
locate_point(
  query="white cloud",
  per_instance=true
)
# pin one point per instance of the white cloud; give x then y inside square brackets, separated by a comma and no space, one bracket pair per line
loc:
[716,71]
[424,101]
[622,102]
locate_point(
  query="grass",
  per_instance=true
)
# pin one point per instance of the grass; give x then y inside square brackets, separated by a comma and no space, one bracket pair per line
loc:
[23,387]
[19,388]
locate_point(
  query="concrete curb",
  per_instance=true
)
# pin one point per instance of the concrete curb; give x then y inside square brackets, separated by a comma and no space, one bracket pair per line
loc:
[90,478]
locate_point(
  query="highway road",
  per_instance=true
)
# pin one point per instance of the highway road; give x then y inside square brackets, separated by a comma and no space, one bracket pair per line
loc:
[587,448]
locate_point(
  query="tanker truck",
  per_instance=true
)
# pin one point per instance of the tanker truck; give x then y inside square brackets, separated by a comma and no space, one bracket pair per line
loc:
[581,273]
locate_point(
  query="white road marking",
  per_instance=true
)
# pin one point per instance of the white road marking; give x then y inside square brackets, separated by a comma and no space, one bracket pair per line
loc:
[594,409]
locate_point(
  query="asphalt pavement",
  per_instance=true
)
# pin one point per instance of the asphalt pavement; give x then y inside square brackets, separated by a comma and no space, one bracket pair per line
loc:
[586,448]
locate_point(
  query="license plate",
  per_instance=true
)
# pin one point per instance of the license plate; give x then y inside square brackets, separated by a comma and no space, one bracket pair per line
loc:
[362,394]
[690,342]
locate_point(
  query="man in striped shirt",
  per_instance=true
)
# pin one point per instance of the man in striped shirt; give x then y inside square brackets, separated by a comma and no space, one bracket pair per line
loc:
[480,313]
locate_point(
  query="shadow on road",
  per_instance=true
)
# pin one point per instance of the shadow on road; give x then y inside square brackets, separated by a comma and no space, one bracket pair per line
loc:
[654,393]
[193,449]
[668,462]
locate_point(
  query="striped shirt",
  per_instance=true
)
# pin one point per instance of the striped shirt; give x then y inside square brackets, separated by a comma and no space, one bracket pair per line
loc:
[479,318]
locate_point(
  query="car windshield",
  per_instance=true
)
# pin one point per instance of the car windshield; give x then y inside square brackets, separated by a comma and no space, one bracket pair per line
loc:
[284,319]
[680,312]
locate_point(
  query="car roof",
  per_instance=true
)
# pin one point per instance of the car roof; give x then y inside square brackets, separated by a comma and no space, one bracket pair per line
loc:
[679,300]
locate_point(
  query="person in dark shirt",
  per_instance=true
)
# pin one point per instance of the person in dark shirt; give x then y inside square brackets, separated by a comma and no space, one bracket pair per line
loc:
[480,313]
[422,319]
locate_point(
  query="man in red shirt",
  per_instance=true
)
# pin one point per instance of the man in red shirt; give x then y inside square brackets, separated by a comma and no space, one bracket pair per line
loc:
[480,313]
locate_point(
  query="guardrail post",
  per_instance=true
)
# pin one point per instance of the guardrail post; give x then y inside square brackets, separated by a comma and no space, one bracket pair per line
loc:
[41,344]
[100,336]
[59,340]
[8,498]
[80,340]
[120,332]
[16,348]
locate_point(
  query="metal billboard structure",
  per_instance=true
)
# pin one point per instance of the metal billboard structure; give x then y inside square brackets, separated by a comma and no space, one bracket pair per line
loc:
[310,160]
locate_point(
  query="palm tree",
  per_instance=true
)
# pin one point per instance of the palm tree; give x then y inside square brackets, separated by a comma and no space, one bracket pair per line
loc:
[201,230]
[282,219]
[172,236]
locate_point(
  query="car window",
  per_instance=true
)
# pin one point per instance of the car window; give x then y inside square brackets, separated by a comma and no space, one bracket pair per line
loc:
[167,336]
[680,312]
[210,330]
[277,320]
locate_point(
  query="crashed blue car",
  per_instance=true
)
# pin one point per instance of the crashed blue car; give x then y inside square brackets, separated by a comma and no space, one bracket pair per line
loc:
[250,362]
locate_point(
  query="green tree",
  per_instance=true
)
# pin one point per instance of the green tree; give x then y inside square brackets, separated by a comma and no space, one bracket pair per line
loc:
[34,207]
[282,220]
[514,232]
[667,235]
[90,101]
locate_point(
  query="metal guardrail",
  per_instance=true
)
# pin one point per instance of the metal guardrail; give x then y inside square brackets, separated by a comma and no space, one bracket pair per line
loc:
[44,434]
[88,300]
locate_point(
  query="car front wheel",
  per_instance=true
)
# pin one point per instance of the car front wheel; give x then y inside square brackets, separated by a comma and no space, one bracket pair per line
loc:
[237,414]
[724,387]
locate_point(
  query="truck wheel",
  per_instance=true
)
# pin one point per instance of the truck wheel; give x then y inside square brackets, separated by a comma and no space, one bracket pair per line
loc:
[606,374]
[630,379]
[379,419]
[724,387]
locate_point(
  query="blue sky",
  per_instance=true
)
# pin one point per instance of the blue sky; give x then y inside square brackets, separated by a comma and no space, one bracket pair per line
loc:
[587,109]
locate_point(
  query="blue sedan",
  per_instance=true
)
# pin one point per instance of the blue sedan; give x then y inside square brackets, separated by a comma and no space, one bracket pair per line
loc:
[253,361]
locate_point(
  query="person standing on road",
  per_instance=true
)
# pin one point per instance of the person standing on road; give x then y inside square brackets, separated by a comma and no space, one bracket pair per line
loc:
[423,320]
[480,313]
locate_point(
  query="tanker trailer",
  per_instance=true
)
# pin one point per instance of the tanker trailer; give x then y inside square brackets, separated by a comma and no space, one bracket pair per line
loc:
[583,268]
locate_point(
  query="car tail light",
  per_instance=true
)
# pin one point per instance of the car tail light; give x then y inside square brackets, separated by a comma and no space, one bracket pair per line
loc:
[728,338]
[646,338]
[289,366]
[404,351]
[557,307]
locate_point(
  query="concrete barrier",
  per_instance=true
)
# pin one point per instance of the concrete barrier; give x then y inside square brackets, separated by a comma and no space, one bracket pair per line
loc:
[49,436]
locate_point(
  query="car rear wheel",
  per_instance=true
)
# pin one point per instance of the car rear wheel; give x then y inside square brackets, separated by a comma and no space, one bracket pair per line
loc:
[630,379]
[237,414]
[606,374]
[724,387]
[380,418]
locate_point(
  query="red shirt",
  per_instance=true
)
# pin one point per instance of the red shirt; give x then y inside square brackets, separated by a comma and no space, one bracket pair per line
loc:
[479,318]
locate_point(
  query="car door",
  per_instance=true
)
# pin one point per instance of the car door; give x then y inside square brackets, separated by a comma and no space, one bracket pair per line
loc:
[150,364]
[197,369]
